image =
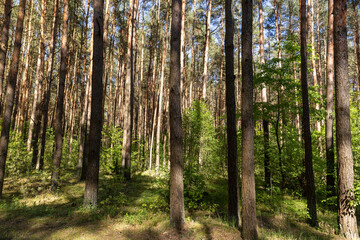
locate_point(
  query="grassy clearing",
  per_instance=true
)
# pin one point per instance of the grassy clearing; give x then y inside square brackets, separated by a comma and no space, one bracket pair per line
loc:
[138,210]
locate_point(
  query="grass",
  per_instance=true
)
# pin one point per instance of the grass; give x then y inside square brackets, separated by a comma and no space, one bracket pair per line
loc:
[138,210]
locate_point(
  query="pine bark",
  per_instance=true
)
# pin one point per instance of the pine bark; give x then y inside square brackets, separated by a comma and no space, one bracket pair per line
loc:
[330,162]
[3,47]
[10,94]
[233,182]
[96,121]
[177,212]
[346,211]
[248,196]
[309,174]
[58,124]
[206,50]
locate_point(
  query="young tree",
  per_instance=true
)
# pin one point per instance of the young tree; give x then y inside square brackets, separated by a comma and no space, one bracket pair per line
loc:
[60,101]
[309,174]
[10,94]
[346,210]
[177,211]
[92,170]
[329,121]
[3,46]
[248,196]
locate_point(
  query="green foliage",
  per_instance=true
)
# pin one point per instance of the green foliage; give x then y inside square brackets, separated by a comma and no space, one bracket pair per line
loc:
[18,159]
[111,150]
[201,145]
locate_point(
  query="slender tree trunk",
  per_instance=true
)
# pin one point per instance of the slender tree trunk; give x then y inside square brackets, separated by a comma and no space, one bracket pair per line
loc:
[49,78]
[330,162]
[161,92]
[309,174]
[177,212]
[357,43]
[264,100]
[206,49]
[10,94]
[96,121]
[182,52]
[248,196]
[346,210]
[3,47]
[129,96]
[60,101]
[233,182]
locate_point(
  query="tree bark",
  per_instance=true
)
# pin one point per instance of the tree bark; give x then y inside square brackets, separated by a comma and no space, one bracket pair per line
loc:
[248,196]
[3,47]
[346,211]
[177,212]
[96,121]
[309,174]
[357,43]
[129,96]
[10,94]
[206,49]
[330,162]
[233,182]
[60,101]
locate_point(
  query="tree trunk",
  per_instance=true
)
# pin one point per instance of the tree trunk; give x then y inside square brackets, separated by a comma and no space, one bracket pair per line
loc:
[60,101]
[3,47]
[49,76]
[129,96]
[264,100]
[206,49]
[92,171]
[309,174]
[248,196]
[10,94]
[330,162]
[346,210]
[177,212]
[357,43]
[233,182]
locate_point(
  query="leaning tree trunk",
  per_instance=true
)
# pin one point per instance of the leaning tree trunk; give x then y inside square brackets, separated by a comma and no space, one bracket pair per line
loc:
[10,94]
[92,170]
[177,212]
[60,101]
[3,47]
[233,180]
[309,174]
[248,196]
[346,210]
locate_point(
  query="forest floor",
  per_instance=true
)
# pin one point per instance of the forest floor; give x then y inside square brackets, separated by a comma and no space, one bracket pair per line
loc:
[131,210]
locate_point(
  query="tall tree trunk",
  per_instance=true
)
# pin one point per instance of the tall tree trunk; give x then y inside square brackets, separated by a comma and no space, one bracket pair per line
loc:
[60,101]
[309,174]
[330,162]
[129,96]
[346,210]
[35,120]
[357,43]
[233,182]
[206,49]
[264,100]
[10,94]
[3,47]
[161,92]
[96,121]
[177,211]
[49,78]
[182,52]
[248,196]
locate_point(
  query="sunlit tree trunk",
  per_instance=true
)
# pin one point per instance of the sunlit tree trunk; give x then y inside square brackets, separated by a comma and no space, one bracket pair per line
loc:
[60,101]
[248,196]
[10,94]
[96,120]
[206,49]
[346,210]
